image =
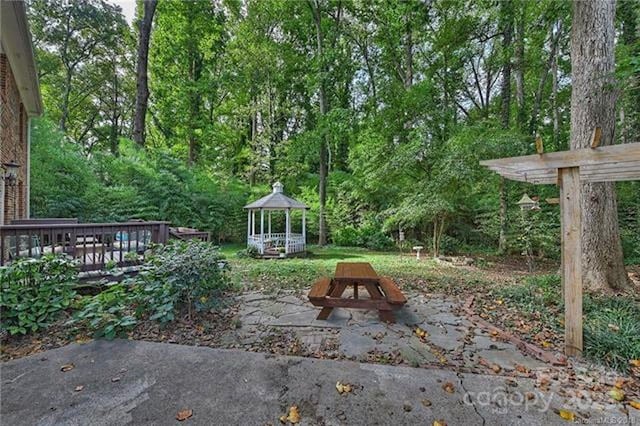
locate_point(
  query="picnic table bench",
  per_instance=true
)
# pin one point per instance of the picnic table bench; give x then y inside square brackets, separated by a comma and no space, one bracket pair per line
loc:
[384,294]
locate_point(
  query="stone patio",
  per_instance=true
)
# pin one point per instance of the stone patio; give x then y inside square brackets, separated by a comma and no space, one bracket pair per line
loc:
[359,335]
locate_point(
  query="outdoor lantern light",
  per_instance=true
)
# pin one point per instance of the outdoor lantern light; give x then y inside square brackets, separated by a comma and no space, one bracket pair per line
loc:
[11,173]
[526,203]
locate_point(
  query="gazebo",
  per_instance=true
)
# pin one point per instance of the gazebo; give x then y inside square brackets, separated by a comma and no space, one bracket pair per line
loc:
[278,244]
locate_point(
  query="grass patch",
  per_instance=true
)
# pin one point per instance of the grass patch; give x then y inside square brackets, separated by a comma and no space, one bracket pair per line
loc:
[611,324]
[299,273]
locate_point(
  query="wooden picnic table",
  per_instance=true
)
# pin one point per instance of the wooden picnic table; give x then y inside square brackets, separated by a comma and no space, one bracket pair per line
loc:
[384,295]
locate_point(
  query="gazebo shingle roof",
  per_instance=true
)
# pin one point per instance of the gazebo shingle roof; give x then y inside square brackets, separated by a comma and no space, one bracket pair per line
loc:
[276,200]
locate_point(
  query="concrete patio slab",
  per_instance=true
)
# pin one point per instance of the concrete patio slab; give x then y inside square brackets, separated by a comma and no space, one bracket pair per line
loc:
[132,382]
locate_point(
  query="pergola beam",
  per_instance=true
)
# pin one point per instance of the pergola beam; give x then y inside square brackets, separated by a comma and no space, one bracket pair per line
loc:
[569,169]
[564,159]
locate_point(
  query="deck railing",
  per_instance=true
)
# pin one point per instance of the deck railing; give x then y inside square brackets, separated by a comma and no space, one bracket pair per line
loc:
[93,244]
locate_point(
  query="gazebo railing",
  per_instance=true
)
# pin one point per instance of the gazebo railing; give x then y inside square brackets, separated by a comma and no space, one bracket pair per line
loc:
[295,244]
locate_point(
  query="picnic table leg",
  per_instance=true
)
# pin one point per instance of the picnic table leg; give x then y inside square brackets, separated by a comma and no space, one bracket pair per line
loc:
[336,291]
[383,314]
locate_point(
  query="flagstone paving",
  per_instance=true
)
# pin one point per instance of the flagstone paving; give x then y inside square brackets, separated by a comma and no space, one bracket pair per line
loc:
[359,335]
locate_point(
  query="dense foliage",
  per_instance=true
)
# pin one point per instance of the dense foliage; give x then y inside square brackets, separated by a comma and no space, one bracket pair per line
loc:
[390,105]
[187,275]
[34,292]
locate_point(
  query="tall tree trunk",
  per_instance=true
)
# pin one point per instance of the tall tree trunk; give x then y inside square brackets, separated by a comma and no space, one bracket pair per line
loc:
[64,108]
[142,84]
[593,103]
[323,154]
[519,64]
[537,103]
[506,16]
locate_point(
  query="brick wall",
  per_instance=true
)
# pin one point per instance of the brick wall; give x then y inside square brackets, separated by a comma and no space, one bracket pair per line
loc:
[13,141]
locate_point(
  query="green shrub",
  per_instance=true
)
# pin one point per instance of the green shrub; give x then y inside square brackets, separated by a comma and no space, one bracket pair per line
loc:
[109,313]
[35,292]
[368,235]
[346,237]
[184,273]
[249,252]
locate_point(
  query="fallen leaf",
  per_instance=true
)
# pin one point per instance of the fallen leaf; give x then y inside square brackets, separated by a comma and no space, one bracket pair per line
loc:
[294,414]
[613,327]
[499,302]
[522,369]
[115,379]
[184,414]
[67,367]
[546,344]
[426,403]
[635,362]
[530,396]
[343,388]
[567,415]
[439,423]
[496,368]
[420,332]
[635,404]
[616,394]
[619,383]
[79,388]
[448,387]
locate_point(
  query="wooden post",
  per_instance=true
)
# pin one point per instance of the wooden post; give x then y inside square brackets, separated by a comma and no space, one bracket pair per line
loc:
[253,222]
[248,226]
[304,229]
[261,231]
[571,225]
[286,232]
[269,224]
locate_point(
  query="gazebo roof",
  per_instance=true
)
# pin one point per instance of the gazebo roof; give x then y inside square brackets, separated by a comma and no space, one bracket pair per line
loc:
[276,200]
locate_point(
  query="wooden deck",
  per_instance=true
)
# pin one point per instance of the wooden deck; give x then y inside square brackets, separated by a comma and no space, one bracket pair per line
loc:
[93,245]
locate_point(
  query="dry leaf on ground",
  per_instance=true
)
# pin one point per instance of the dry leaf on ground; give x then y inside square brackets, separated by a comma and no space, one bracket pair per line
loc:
[294,415]
[67,367]
[343,388]
[184,414]
[635,362]
[420,332]
[439,423]
[616,394]
[567,415]
[78,388]
[448,387]
[635,404]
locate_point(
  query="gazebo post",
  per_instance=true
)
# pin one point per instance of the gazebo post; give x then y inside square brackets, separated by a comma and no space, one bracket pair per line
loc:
[269,224]
[253,222]
[261,231]
[286,231]
[248,226]
[304,229]
[571,225]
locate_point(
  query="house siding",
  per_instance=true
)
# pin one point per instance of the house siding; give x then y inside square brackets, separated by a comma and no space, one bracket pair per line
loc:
[13,142]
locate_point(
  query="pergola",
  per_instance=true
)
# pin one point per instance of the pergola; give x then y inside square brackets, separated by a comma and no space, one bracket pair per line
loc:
[268,243]
[568,169]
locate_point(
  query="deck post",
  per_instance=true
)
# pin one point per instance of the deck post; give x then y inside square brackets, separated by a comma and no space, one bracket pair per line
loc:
[286,232]
[261,231]
[571,225]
